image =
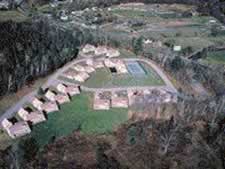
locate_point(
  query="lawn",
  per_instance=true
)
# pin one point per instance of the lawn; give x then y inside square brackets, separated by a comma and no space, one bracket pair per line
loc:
[104,78]
[217,57]
[5,140]
[75,115]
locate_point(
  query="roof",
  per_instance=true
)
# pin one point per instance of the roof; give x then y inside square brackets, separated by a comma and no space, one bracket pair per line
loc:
[6,124]
[22,113]
[101,50]
[37,103]
[61,88]
[35,117]
[50,107]
[113,53]
[88,48]
[50,95]
[19,129]
[62,98]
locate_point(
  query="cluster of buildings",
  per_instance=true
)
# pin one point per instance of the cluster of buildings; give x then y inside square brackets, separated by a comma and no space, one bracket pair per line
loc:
[106,100]
[151,96]
[37,110]
[80,72]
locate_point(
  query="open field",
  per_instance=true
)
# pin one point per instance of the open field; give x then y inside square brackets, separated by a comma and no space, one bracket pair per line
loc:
[105,79]
[78,115]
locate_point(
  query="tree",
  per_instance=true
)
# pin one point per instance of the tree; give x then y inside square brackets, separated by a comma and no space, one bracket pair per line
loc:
[137,45]
[30,148]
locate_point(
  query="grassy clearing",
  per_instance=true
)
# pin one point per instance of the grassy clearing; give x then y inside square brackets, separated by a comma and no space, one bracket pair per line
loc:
[104,78]
[217,57]
[75,115]
[5,140]
[12,15]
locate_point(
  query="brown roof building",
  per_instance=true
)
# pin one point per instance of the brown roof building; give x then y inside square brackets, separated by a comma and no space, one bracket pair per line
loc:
[101,103]
[68,89]
[19,129]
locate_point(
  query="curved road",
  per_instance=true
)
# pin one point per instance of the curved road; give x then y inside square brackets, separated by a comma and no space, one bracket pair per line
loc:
[53,80]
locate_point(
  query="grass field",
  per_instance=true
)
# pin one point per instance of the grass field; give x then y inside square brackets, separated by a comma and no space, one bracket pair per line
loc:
[217,57]
[104,78]
[75,115]
[5,140]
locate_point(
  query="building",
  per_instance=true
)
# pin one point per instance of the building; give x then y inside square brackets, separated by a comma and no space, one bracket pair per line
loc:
[79,68]
[43,105]
[81,76]
[6,124]
[50,95]
[112,53]
[88,48]
[19,129]
[62,98]
[71,89]
[101,50]
[118,64]
[101,103]
[119,101]
[50,107]
[70,74]
[89,69]
[37,103]
[27,114]
[98,65]
[177,48]
[35,117]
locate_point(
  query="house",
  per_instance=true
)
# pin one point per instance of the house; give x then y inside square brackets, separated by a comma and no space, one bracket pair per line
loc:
[119,101]
[79,68]
[6,124]
[62,98]
[35,117]
[98,65]
[70,74]
[101,50]
[90,62]
[81,77]
[112,53]
[19,129]
[71,89]
[101,103]
[46,106]
[118,64]
[88,48]
[27,114]
[49,107]
[177,48]
[50,95]
[37,103]
[89,69]
[86,68]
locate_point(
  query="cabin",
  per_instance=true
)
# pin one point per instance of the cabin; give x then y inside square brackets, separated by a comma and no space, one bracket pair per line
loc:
[88,48]
[72,90]
[81,77]
[16,130]
[101,103]
[101,50]
[79,68]
[50,107]
[30,115]
[43,105]
[119,101]
[62,98]
[70,74]
[98,65]
[111,53]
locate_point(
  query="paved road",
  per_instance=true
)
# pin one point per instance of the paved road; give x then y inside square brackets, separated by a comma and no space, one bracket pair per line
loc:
[53,80]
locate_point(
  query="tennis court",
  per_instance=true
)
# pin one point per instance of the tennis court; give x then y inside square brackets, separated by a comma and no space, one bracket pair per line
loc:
[135,68]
